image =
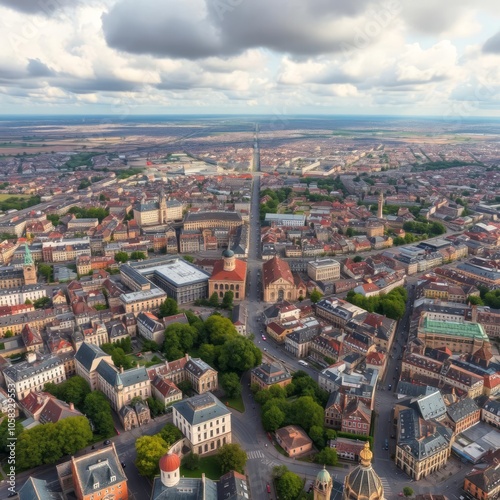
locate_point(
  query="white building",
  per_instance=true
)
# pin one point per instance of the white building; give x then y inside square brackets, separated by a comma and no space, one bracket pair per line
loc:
[34,373]
[323,270]
[205,422]
[18,296]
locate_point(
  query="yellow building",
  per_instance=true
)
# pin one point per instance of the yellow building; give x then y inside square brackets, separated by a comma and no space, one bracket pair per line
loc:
[279,283]
[229,274]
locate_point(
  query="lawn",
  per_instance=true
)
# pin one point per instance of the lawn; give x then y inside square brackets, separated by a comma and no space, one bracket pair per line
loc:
[143,361]
[236,403]
[208,465]
[5,196]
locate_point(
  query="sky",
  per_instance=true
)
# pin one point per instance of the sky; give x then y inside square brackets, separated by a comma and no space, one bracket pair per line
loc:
[276,57]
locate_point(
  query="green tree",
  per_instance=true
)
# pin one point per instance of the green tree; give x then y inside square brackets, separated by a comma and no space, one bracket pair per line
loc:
[350,232]
[46,271]
[169,307]
[170,434]
[213,301]
[185,387]
[474,300]
[219,329]
[46,444]
[8,334]
[227,300]
[305,412]
[192,461]
[98,410]
[74,433]
[327,456]
[188,258]
[231,457]
[208,353]
[317,433]
[179,339]
[357,258]
[278,471]
[156,407]
[41,302]
[121,257]
[273,419]
[289,486]
[149,451]
[315,296]
[231,384]
[407,491]
[73,390]
[239,355]
[138,256]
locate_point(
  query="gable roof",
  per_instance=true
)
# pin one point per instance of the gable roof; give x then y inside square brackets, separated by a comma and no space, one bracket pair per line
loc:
[274,269]
[87,354]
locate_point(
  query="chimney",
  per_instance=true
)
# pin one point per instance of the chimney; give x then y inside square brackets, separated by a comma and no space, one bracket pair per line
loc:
[31,357]
[121,369]
[137,365]
[71,406]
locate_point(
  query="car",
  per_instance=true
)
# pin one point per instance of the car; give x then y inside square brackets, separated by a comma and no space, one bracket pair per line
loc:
[263,337]
[107,442]
[268,488]
[386,444]
[265,349]
[123,464]
[390,387]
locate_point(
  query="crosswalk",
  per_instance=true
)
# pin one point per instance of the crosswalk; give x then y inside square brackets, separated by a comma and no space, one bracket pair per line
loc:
[255,454]
[387,487]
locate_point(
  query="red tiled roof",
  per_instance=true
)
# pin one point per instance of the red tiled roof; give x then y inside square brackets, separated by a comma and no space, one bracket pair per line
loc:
[238,274]
[274,269]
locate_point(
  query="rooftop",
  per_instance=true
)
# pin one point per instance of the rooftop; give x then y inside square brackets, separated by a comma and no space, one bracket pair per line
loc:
[461,329]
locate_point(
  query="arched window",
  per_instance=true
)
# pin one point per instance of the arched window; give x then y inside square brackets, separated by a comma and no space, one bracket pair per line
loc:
[232,287]
[216,286]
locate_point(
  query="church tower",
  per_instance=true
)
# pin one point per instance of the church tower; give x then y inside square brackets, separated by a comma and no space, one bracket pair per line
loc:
[323,485]
[380,212]
[162,207]
[29,268]
[229,260]
[363,483]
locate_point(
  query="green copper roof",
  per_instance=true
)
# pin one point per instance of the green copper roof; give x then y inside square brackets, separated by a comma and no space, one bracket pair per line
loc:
[28,258]
[323,476]
[465,329]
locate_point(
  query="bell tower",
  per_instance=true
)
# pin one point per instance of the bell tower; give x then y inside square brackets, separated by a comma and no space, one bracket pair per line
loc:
[29,268]
[323,485]
[162,207]
[380,210]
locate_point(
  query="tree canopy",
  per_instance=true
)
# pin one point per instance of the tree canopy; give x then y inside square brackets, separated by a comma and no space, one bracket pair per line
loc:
[149,451]
[47,443]
[231,457]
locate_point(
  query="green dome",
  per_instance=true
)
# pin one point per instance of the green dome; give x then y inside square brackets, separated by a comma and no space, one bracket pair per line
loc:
[228,253]
[323,476]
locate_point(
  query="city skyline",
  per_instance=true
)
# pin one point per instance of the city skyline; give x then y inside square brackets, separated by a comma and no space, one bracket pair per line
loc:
[239,57]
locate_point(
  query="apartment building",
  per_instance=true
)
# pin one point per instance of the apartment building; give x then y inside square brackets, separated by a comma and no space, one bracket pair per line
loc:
[204,421]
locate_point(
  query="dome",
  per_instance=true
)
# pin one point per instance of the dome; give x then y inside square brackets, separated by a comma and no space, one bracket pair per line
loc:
[170,462]
[323,476]
[363,482]
[228,253]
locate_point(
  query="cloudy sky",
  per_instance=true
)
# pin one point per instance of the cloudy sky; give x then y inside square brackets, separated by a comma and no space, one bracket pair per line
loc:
[402,57]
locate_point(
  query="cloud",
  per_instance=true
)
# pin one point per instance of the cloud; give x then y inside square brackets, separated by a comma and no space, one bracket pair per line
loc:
[36,68]
[198,29]
[492,45]
[45,7]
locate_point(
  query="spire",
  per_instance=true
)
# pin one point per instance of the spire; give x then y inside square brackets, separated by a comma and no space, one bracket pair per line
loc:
[28,258]
[366,455]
